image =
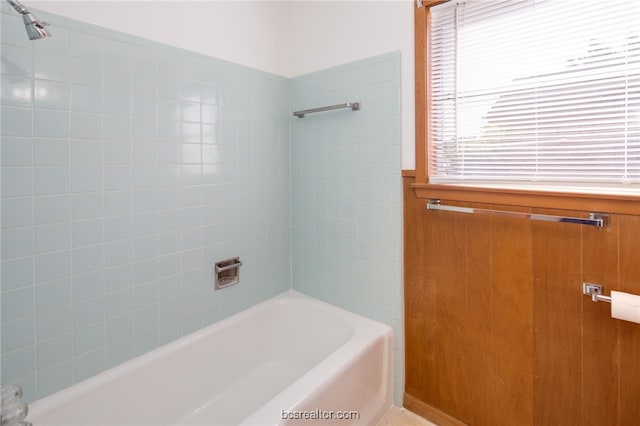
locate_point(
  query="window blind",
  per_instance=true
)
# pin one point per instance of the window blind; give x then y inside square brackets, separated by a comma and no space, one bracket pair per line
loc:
[536,93]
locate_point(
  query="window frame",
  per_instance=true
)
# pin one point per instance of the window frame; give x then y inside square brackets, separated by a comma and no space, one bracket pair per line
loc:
[610,203]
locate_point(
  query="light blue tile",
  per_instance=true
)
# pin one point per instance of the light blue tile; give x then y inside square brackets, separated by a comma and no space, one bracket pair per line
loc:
[18,363]
[169,242]
[117,253]
[54,323]
[145,224]
[169,287]
[86,46]
[87,259]
[59,43]
[168,130]
[87,312]
[53,266]
[17,91]
[86,27]
[17,181]
[191,153]
[168,109]
[53,294]
[17,212]
[145,271]
[117,178]
[146,341]
[49,66]
[144,153]
[17,242]
[119,352]
[145,247]
[143,82]
[190,111]
[190,132]
[54,237]
[169,331]
[51,124]
[117,53]
[17,60]
[116,128]
[87,205]
[54,351]
[51,180]
[13,31]
[145,295]
[117,153]
[143,106]
[145,318]
[84,72]
[86,126]
[119,328]
[119,303]
[117,203]
[145,200]
[86,179]
[116,102]
[89,364]
[17,152]
[89,285]
[51,152]
[51,94]
[50,209]
[143,129]
[86,99]
[17,303]
[17,334]
[118,227]
[54,379]
[118,277]
[191,322]
[115,77]
[17,273]
[16,122]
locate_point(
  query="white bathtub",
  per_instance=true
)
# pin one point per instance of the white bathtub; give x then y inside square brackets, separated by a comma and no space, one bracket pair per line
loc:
[289,357]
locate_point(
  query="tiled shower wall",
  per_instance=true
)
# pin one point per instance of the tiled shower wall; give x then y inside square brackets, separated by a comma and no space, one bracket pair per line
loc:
[128,167]
[346,193]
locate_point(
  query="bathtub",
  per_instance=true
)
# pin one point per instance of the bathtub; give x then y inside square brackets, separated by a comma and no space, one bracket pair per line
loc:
[289,360]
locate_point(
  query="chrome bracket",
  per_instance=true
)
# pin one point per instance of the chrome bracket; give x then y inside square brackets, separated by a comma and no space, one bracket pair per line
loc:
[595,291]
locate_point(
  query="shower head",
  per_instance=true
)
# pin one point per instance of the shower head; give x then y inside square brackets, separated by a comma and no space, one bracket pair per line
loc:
[35,27]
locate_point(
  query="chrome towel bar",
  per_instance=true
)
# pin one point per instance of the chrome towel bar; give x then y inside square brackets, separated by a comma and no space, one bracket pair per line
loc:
[599,220]
[355,106]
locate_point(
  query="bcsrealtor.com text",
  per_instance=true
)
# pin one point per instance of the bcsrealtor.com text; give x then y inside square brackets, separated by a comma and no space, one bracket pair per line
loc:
[318,414]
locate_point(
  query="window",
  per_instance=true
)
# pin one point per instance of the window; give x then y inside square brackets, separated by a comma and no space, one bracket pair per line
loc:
[534,94]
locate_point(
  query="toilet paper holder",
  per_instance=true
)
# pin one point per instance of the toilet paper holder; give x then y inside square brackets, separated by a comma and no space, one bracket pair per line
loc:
[595,291]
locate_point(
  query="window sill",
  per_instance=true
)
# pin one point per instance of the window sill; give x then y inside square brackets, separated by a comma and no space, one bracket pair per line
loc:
[621,204]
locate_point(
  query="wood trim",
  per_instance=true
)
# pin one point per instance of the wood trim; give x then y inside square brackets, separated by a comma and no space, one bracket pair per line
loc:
[428,412]
[527,198]
[420,19]
[408,173]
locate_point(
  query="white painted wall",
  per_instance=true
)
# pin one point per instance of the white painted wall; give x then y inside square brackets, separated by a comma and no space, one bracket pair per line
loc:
[287,38]
[327,33]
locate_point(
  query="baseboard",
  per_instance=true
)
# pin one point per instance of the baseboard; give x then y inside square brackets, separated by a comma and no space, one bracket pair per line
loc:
[430,413]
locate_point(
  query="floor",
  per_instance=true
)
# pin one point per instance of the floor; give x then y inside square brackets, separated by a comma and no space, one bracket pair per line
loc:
[401,417]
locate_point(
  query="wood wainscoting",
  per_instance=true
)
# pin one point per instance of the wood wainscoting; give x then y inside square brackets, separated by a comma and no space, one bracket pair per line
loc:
[497,329]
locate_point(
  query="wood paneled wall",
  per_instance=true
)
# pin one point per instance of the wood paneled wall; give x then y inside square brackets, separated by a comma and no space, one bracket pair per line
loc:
[497,329]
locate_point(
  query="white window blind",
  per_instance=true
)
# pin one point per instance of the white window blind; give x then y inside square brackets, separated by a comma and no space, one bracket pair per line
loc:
[542,93]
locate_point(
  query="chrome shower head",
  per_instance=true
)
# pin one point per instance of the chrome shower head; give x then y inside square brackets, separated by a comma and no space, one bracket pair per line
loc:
[35,27]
